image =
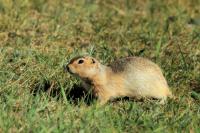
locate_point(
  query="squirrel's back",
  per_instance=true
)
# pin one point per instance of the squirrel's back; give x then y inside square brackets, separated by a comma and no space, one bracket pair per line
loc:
[141,76]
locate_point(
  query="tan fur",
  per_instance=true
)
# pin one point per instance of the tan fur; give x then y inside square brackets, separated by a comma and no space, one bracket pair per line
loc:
[131,76]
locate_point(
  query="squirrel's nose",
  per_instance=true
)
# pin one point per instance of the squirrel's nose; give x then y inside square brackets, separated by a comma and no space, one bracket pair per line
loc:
[66,68]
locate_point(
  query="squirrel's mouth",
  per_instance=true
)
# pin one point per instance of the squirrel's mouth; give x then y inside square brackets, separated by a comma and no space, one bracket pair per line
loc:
[67,69]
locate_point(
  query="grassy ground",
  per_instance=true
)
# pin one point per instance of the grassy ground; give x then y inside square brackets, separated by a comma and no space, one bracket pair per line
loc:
[37,37]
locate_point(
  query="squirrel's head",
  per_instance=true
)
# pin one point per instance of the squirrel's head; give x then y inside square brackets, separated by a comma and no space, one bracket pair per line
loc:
[84,67]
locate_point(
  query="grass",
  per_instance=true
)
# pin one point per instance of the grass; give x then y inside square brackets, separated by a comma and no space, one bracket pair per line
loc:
[37,37]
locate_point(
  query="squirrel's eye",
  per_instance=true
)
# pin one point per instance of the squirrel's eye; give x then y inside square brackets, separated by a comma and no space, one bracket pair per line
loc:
[80,61]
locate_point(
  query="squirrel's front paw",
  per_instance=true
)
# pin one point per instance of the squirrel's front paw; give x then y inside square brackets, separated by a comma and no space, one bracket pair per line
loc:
[102,101]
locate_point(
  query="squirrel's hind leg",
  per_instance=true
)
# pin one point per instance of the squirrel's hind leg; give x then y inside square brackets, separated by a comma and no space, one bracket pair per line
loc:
[163,100]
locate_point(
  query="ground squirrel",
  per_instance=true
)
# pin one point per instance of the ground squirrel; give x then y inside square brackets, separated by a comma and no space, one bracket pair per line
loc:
[130,76]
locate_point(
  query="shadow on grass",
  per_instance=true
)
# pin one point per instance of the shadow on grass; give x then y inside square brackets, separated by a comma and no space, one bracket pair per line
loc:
[76,94]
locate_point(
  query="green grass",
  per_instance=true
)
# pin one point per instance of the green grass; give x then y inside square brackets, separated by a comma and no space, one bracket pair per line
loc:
[37,37]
